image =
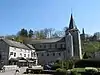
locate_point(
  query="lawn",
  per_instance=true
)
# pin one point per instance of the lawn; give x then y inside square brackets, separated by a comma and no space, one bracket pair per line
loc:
[78,69]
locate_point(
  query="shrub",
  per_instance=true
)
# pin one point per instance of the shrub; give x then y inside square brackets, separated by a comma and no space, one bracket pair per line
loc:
[74,73]
[91,70]
[60,71]
[56,66]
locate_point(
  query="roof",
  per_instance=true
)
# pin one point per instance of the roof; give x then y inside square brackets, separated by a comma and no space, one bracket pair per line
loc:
[30,46]
[15,44]
[45,41]
[72,23]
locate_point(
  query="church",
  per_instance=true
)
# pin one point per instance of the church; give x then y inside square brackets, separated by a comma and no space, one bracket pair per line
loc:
[67,47]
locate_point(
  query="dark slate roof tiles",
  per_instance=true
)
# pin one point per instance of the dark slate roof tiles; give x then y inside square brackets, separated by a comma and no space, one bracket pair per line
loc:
[16,44]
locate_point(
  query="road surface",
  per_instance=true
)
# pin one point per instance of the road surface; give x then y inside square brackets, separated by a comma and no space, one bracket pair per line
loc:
[22,70]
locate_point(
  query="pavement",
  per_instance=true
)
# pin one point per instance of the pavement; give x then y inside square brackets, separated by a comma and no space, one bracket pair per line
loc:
[13,72]
[22,70]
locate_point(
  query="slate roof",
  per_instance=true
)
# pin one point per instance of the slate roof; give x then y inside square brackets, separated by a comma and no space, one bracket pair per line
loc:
[30,46]
[16,44]
[45,41]
[72,23]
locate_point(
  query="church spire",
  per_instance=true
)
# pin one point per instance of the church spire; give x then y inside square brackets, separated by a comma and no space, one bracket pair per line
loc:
[72,23]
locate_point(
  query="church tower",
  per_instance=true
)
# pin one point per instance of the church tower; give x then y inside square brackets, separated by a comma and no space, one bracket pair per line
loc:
[75,42]
[69,45]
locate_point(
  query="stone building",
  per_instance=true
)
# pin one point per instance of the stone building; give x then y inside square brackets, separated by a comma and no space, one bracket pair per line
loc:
[67,47]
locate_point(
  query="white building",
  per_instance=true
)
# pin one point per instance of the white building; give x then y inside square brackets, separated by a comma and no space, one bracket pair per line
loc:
[16,53]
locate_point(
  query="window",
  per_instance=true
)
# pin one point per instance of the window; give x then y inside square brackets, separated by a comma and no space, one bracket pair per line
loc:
[55,45]
[42,54]
[58,46]
[50,46]
[11,53]
[68,50]
[48,54]
[21,49]
[15,48]
[24,55]
[53,54]
[62,45]
[28,51]
[28,55]
[20,54]
[14,54]
[59,54]
[40,46]
[44,46]
[32,54]
[37,54]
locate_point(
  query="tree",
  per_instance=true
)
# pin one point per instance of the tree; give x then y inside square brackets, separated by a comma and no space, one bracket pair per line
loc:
[23,33]
[55,35]
[30,33]
[10,37]
[58,34]
[46,32]
[97,35]
[50,31]
[39,34]
[42,35]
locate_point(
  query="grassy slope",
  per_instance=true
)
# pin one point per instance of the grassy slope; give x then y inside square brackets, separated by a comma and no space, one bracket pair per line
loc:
[90,46]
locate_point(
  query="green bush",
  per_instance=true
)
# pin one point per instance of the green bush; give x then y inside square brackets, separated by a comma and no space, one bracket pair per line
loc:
[75,73]
[60,71]
[63,64]
[56,66]
[91,70]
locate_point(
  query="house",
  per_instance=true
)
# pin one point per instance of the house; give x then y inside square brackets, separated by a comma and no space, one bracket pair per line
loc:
[67,47]
[16,53]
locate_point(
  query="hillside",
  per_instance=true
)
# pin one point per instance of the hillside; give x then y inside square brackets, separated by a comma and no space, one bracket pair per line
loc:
[90,46]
